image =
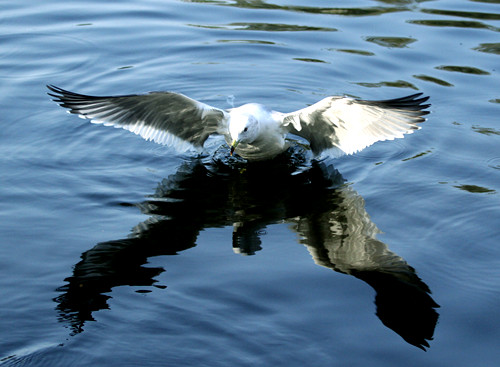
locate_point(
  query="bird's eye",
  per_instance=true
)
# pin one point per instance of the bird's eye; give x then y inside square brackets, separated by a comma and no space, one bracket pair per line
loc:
[245,129]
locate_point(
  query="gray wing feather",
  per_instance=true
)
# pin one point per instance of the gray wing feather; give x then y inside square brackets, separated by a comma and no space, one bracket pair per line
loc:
[164,117]
[349,125]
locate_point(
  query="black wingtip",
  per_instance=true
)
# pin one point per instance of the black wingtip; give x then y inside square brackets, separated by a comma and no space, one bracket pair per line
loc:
[54,88]
[60,92]
[413,102]
[57,92]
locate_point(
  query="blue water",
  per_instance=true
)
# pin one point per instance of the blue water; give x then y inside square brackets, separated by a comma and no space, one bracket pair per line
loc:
[116,251]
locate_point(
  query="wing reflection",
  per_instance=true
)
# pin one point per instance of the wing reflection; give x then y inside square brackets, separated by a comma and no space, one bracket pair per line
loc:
[328,215]
[344,239]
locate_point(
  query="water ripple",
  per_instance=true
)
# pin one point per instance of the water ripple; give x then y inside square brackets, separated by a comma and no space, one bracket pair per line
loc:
[391,42]
[463,14]
[247,41]
[265,27]
[385,151]
[396,83]
[491,48]
[473,264]
[353,51]
[34,55]
[462,69]
[454,23]
[353,12]
[428,78]
[485,130]
[475,189]
[494,163]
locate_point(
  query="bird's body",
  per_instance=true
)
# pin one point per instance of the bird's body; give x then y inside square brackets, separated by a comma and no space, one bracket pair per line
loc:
[268,138]
[338,125]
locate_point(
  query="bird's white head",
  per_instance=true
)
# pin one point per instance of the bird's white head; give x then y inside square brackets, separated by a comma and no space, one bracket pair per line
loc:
[243,128]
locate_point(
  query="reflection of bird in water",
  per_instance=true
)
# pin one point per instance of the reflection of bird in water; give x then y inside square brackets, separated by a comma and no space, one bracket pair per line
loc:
[336,125]
[344,239]
[328,216]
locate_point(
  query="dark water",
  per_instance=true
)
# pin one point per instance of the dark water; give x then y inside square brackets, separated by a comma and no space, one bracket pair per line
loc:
[116,251]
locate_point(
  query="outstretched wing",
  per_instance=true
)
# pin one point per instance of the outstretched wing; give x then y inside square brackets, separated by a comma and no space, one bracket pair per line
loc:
[351,125]
[163,117]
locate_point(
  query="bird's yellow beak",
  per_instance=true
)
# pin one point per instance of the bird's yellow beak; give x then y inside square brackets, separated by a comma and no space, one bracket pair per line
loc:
[234,144]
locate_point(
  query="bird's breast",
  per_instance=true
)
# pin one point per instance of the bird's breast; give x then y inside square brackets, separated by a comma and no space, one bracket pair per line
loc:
[265,147]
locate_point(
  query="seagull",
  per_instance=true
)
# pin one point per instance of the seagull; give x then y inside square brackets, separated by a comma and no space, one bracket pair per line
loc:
[336,125]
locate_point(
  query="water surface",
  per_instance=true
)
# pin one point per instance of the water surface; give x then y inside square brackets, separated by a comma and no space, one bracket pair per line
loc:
[116,251]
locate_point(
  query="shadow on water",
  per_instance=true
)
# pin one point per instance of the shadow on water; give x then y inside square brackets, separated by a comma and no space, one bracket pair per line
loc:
[328,216]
